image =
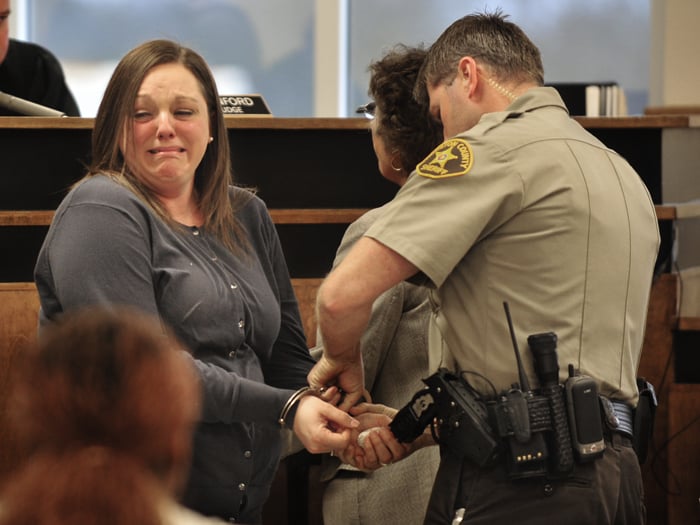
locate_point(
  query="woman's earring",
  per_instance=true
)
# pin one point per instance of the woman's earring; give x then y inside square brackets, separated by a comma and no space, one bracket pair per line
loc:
[392,163]
[211,139]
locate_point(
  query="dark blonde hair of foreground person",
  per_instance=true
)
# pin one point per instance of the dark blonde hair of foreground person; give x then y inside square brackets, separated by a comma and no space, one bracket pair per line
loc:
[105,403]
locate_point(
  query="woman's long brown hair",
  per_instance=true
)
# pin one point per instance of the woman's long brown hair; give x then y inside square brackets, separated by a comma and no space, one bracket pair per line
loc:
[113,127]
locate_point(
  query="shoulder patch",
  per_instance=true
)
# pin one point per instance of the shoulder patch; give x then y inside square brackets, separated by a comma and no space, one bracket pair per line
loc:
[452,158]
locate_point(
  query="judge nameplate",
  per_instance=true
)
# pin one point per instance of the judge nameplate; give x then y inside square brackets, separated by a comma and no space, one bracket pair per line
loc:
[243,105]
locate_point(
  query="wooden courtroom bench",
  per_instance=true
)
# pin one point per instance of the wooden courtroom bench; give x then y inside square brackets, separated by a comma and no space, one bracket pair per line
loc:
[19,307]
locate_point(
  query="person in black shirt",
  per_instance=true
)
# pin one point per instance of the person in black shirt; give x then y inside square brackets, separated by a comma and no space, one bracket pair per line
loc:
[31,72]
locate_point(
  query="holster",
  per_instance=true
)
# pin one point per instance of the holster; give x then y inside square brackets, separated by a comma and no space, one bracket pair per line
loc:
[644,418]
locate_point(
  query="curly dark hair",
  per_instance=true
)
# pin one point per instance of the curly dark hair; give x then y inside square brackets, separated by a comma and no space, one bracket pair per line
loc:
[404,123]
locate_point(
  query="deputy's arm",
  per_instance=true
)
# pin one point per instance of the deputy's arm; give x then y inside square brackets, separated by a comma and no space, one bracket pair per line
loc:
[343,308]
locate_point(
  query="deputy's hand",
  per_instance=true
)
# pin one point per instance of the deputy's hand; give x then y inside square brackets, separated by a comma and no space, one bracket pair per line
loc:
[348,376]
[330,395]
[321,427]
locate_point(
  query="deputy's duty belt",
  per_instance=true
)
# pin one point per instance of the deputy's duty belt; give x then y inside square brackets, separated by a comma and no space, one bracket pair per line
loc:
[618,416]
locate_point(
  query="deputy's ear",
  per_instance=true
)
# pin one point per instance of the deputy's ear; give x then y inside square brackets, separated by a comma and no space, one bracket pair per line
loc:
[467,74]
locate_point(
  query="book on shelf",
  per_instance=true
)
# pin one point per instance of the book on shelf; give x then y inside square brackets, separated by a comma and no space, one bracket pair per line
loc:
[592,99]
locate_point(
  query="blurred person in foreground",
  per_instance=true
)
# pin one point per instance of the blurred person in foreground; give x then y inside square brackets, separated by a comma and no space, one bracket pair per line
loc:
[395,343]
[104,406]
[519,206]
[158,224]
[31,72]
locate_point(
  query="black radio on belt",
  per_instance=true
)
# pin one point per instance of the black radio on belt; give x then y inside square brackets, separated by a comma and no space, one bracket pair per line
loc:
[521,418]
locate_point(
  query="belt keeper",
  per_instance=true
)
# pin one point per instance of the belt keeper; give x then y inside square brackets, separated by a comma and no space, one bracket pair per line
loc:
[293,400]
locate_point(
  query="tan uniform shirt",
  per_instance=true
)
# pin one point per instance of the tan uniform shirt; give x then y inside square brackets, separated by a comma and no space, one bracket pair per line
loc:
[528,207]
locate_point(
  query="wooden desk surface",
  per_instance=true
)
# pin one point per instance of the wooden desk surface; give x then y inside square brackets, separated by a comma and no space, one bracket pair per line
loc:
[284,123]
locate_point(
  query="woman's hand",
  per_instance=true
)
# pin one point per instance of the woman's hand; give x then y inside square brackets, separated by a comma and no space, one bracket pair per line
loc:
[373,445]
[321,427]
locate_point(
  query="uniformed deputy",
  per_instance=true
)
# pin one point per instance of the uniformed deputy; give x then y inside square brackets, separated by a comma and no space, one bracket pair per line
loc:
[519,204]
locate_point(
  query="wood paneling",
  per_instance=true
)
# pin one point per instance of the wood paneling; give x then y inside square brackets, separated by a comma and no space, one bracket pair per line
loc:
[683,448]
[19,307]
[656,366]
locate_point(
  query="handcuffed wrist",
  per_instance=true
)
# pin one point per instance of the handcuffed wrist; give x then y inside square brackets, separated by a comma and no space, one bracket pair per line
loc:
[289,408]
